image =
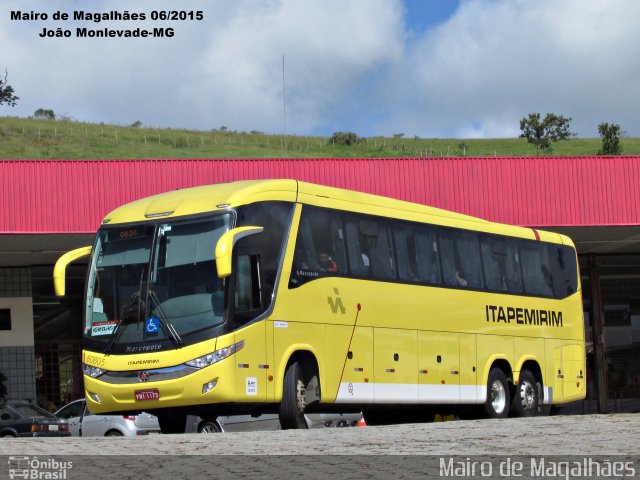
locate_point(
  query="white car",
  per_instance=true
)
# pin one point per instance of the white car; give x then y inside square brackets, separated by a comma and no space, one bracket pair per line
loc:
[267,421]
[83,423]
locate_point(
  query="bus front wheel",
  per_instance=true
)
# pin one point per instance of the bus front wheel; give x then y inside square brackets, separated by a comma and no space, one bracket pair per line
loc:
[498,401]
[293,399]
[172,422]
[526,398]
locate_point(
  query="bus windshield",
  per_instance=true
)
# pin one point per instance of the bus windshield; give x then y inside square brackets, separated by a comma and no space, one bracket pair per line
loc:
[155,282]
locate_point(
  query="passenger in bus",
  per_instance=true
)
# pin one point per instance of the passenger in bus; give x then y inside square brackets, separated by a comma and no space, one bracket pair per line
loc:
[460,279]
[326,263]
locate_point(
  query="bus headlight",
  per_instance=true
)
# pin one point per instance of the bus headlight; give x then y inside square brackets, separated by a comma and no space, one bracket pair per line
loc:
[92,371]
[211,358]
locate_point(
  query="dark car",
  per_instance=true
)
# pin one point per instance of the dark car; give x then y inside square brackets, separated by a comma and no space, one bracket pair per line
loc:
[24,419]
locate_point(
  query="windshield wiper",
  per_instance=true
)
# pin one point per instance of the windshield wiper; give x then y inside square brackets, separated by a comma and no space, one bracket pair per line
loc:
[164,318]
[135,300]
[128,307]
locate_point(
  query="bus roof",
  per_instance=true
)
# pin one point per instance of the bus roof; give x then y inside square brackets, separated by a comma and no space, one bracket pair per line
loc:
[223,196]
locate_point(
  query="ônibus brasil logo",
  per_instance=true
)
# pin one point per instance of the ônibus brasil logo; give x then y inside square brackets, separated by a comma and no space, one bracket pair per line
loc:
[36,469]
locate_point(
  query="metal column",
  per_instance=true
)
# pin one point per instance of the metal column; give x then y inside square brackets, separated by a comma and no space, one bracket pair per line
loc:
[597,332]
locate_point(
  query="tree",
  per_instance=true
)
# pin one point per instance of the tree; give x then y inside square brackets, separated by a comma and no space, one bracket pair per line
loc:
[44,114]
[344,138]
[610,134]
[542,132]
[7,95]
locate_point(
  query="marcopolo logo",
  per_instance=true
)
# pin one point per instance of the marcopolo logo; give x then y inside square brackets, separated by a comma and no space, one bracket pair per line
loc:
[336,304]
[38,469]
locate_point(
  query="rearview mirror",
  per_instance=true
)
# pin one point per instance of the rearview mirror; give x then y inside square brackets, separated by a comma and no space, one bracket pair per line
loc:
[59,271]
[224,247]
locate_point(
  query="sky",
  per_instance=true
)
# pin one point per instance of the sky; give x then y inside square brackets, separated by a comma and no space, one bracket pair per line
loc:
[426,68]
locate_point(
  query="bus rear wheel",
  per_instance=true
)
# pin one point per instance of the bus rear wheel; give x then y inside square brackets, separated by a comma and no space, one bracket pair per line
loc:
[498,401]
[293,399]
[526,398]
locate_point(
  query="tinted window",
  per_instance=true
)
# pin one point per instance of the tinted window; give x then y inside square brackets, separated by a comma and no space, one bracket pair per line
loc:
[564,266]
[460,258]
[370,249]
[536,268]
[267,245]
[501,264]
[320,246]
[417,253]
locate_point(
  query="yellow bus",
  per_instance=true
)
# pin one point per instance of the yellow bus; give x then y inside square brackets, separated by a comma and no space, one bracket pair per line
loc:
[284,296]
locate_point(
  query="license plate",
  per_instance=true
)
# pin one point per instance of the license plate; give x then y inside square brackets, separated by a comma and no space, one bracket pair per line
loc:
[150,394]
[53,428]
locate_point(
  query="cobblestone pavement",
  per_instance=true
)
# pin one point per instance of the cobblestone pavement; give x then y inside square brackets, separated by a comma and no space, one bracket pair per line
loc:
[543,448]
[614,434]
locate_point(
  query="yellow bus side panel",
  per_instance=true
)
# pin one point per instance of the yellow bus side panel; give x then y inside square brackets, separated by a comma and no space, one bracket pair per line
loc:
[357,380]
[574,371]
[438,367]
[490,349]
[294,336]
[528,349]
[251,364]
[554,380]
[395,365]
[471,391]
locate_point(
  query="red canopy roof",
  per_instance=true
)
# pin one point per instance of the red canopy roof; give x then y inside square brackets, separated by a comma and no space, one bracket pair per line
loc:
[72,196]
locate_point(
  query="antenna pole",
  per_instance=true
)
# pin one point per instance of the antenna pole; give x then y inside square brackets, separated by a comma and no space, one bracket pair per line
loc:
[284,108]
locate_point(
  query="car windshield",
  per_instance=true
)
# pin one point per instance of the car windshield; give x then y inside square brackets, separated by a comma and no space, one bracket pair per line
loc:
[153,282]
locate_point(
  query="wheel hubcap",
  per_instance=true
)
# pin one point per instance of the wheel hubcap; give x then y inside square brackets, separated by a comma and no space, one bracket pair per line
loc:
[208,429]
[527,396]
[498,397]
[300,391]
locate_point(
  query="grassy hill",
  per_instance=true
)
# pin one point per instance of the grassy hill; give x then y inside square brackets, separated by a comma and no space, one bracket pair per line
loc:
[22,138]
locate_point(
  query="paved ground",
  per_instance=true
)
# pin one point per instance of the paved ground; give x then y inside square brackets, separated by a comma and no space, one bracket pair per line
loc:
[369,452]
[614,434]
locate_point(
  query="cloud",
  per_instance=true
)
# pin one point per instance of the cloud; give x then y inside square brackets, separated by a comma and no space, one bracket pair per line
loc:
[225,70]
[349,65]
[495,61]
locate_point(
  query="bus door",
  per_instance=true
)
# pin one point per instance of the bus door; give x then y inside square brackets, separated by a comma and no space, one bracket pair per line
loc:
[247,302]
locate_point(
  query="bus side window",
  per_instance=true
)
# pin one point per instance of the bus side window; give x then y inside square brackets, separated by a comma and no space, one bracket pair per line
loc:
[501,264]
[354,250]
[536,271]
[380,252]
[417,254]
[564,268]
[402,239]
[427,259]
[247,289]
[460,258]
[305,254]
[319,247]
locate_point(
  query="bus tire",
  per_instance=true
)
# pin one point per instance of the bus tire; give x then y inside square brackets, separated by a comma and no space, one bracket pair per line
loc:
[526,398]
[498,397]
[292,405]
[172,422]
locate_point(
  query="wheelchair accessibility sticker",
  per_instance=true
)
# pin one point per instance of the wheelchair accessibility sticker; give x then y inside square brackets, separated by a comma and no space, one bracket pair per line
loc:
[152,325]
